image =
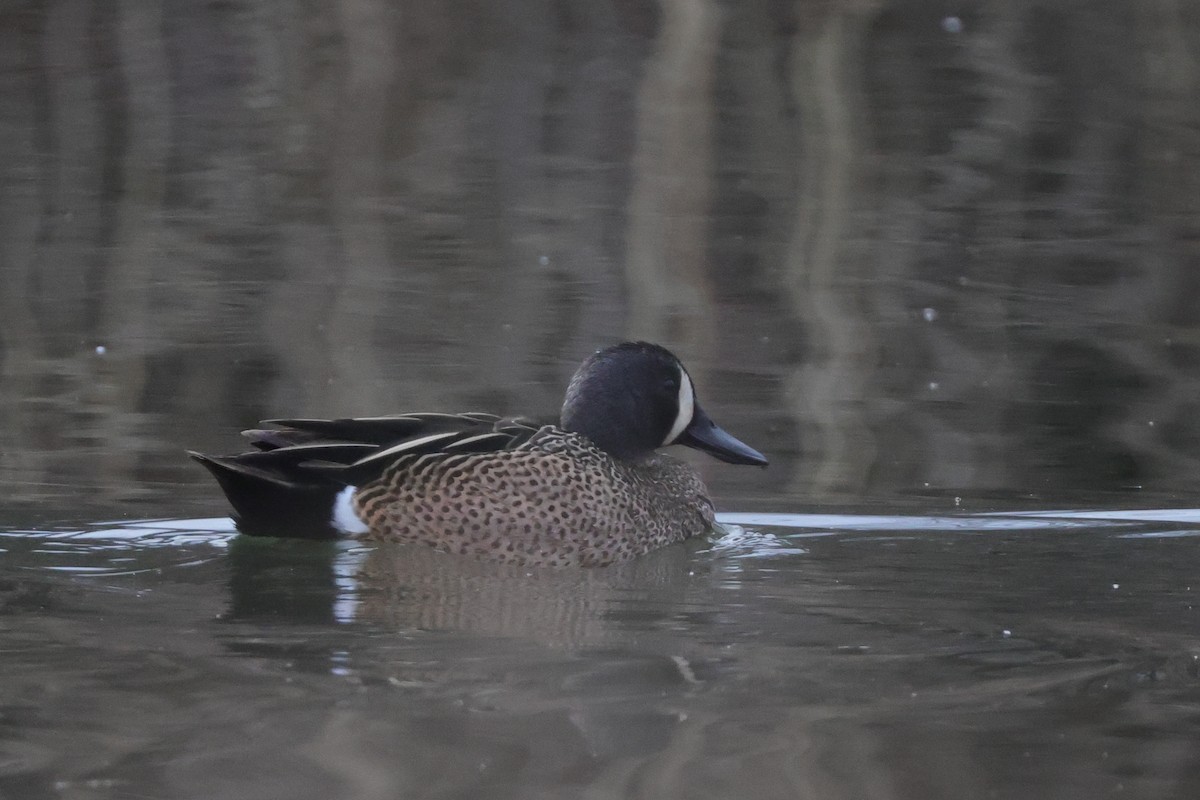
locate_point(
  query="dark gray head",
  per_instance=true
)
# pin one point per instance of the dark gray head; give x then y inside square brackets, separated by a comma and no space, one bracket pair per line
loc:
[633,398]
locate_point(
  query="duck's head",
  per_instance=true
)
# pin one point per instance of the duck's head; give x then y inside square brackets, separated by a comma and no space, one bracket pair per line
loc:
[632,398]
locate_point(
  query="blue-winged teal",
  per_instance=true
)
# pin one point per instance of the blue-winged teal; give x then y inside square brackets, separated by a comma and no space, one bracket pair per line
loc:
[589,491]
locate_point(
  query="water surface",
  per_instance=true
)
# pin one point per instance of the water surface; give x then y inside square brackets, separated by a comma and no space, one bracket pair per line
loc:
[829,655]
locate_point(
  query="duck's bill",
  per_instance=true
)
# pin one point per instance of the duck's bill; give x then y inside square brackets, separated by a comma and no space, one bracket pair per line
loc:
[703,434]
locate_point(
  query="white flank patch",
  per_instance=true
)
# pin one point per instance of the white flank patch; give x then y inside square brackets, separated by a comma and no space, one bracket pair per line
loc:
[687,407]
[344,519]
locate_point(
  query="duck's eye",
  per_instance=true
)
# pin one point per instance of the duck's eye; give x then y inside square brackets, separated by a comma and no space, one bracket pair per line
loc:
[671,384]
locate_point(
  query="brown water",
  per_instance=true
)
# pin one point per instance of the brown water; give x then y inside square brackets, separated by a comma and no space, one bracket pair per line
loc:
[939,263]
[794,656]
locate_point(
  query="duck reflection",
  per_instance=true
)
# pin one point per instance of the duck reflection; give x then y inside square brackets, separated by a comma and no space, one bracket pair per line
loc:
[409,587]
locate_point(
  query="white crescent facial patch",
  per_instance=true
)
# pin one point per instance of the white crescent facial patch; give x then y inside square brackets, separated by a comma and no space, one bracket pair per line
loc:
[687,407]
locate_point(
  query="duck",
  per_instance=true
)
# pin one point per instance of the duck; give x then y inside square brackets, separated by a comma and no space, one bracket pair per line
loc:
[590,489]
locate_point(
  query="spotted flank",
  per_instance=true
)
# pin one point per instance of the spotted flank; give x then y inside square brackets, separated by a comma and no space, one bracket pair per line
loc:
[589,490]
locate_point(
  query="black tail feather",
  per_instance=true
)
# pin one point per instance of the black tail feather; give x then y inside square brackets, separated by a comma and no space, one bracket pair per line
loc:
[268,504]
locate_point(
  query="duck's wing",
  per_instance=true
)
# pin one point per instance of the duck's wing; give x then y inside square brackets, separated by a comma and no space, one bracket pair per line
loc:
[379,431]
[288,482]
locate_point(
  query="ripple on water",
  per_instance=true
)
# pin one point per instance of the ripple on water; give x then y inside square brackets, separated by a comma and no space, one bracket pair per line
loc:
[831,635]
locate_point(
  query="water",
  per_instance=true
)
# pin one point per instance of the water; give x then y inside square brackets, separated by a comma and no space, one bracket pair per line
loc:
[939,264]
[1036,655]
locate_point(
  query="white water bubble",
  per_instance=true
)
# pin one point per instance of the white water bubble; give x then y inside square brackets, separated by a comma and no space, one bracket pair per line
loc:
[952,24]
[929,314]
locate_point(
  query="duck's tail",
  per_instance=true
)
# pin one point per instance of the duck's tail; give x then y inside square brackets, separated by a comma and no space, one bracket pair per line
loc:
[269,501]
